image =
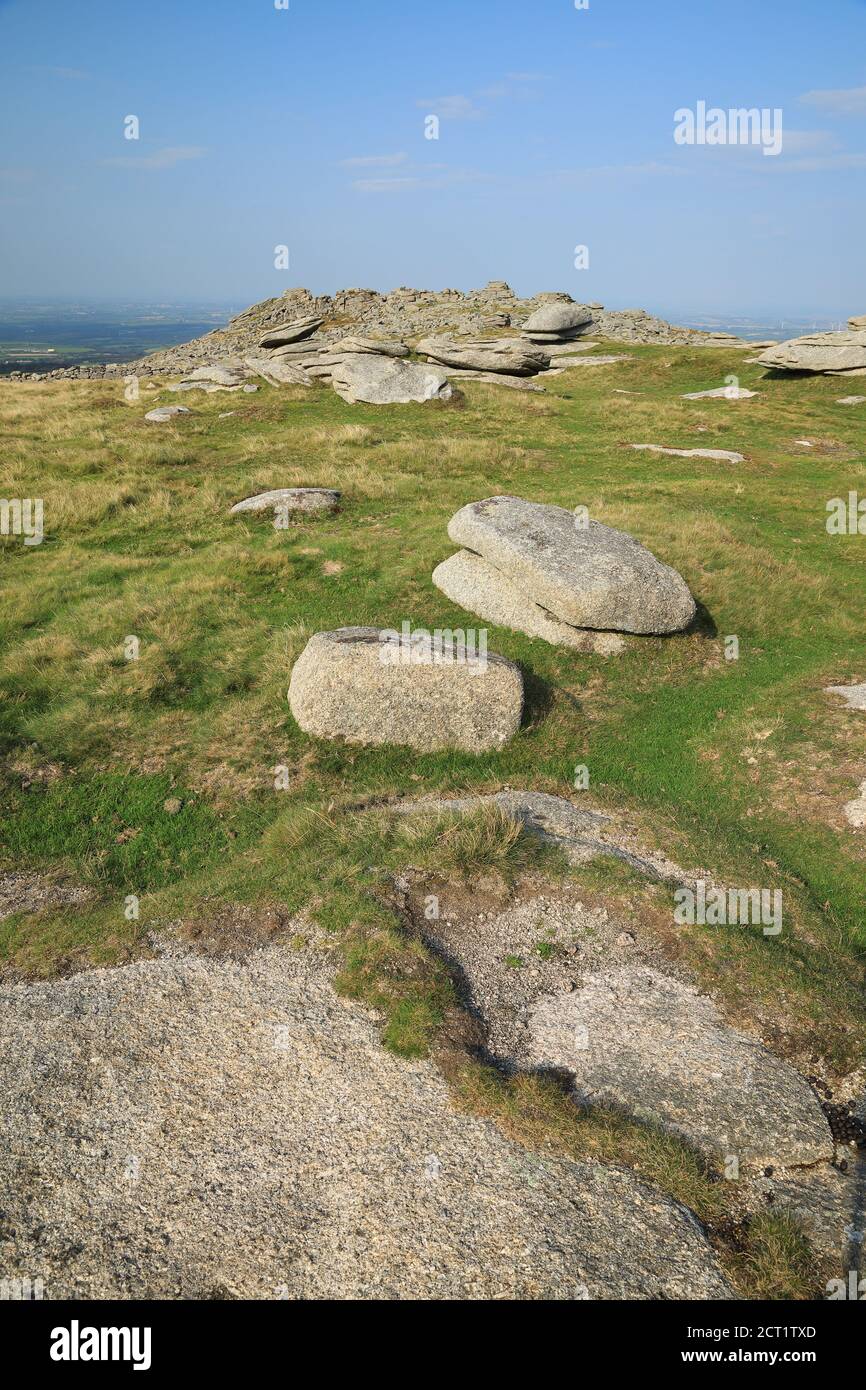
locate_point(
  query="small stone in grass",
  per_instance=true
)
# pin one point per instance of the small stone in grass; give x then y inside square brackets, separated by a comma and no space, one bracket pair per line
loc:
[172,805]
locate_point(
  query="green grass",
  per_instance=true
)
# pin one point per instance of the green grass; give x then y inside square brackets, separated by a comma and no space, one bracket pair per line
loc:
[739,768]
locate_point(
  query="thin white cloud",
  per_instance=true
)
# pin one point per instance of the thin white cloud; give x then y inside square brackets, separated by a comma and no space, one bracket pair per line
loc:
[451,108]
[160,159]
[840,101]
[397,185]
[369,161]
[429,176]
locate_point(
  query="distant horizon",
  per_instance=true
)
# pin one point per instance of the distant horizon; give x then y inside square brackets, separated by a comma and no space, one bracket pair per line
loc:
[239,304]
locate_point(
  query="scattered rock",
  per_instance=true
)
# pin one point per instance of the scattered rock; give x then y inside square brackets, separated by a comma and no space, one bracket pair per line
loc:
[727,393]
[363,685]
[515,356]
[833,353]
[471,582]
[722,455]
[388,381]
[163,413]
[590,576]
[290,499]
[655,1047]
[859,321]
[851,400]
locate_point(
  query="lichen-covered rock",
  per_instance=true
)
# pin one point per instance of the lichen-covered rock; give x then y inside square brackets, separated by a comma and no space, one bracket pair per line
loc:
[819,352]
[558,321]
[587,575]
[290,499]
[368,686]
[515,356]
[387,381]
[469,580]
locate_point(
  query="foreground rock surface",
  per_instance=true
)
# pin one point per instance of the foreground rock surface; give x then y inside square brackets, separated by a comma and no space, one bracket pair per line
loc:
[388,381]
[233,1129]
[589,576]
[356,684]
[654,1046]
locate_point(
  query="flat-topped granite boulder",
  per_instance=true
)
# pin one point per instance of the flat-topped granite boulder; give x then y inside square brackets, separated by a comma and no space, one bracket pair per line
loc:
[581,572]
[833,353]
[291,332]
[372,686]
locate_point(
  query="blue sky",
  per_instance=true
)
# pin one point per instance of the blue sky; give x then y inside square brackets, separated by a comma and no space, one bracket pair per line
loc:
[305,127]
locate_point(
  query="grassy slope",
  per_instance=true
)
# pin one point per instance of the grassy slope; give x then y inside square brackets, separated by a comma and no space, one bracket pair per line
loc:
[736,767]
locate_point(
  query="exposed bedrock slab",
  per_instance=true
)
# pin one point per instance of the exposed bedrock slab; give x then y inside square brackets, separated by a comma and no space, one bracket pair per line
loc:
[658,1049]
[588,575]
[582,835]
[361,684]
[470,581]
[290,499]
[387,380]
[200,1129]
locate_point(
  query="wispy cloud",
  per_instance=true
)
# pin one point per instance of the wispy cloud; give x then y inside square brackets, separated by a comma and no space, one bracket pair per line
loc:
[515,86]
[839,101]
[160,159]
[451,108]
[385,185]
[426,176]
[371,161]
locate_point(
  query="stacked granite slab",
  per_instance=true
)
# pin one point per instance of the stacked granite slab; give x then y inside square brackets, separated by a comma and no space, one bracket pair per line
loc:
[554,574]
